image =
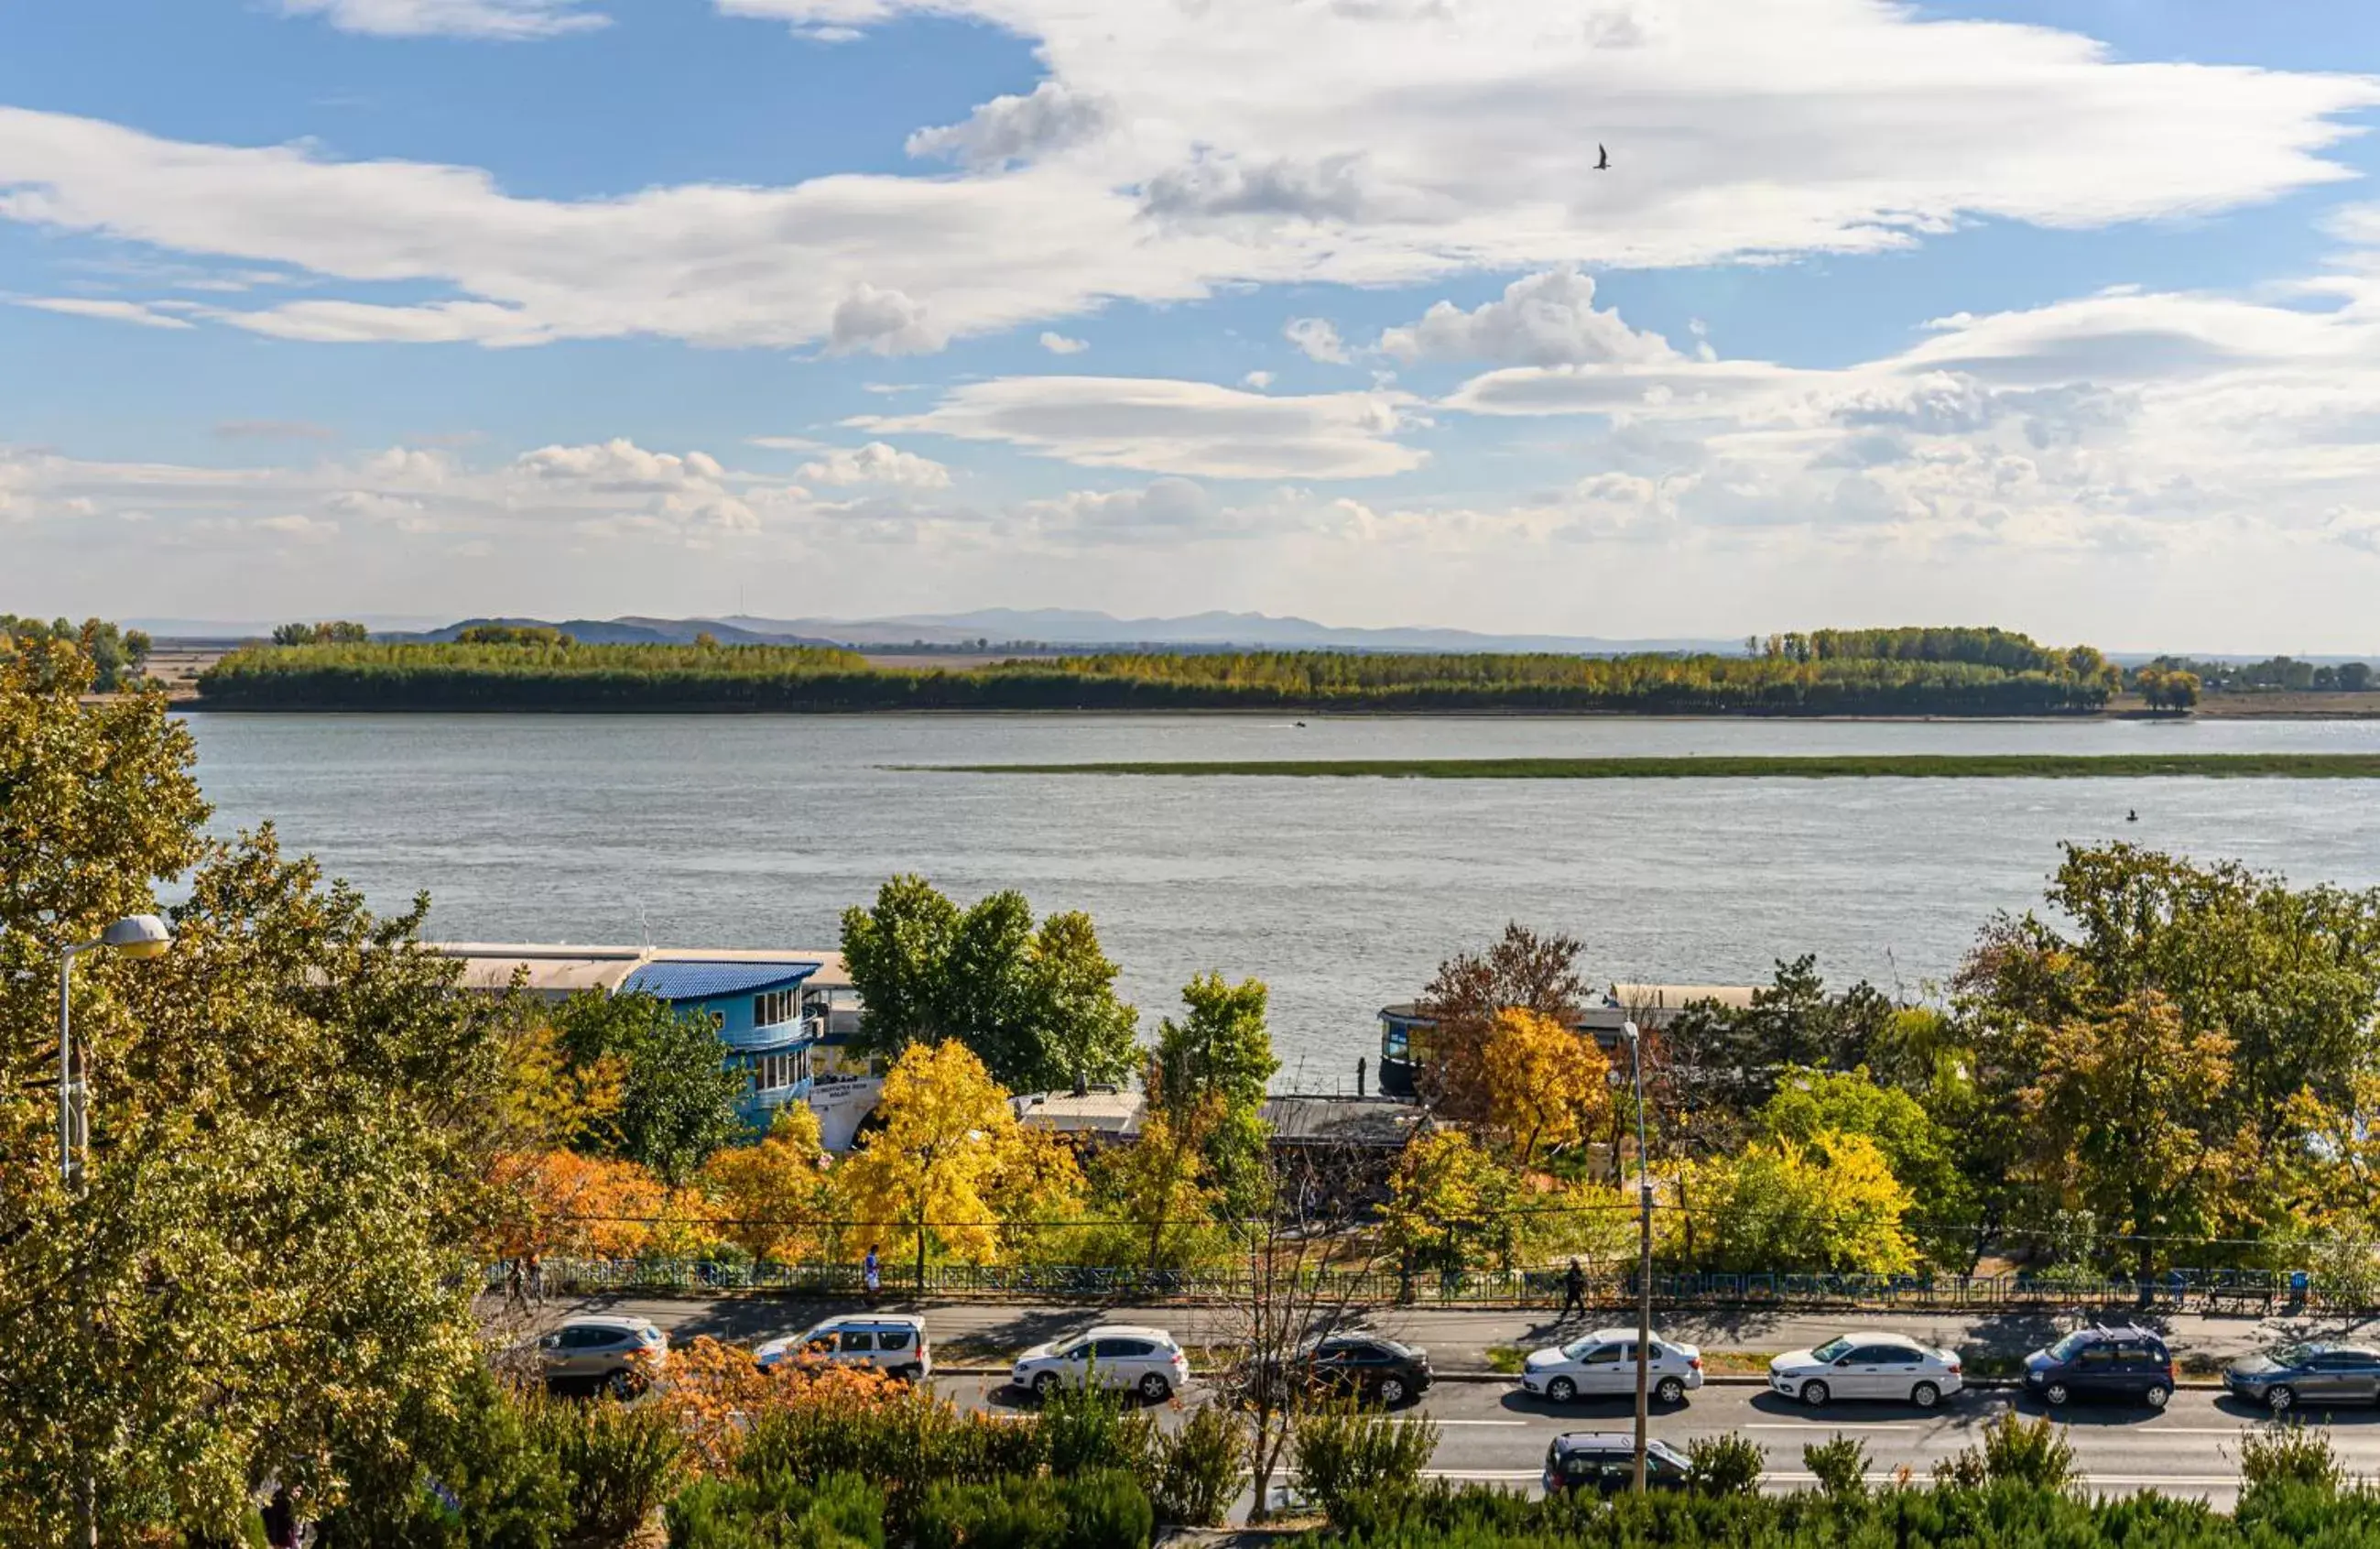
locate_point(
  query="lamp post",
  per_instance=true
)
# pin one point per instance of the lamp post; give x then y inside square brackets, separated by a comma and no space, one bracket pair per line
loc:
[135,935]
[1645,1247]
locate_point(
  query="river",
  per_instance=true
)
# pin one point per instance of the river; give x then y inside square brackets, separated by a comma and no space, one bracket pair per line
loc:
[1342,894]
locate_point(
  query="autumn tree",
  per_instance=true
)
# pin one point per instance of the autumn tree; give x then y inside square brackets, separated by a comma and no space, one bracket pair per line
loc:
[773,1198]
[1161,1185]
[1810,1103]
[1830,1204]
[272,1257]
[1450,1204]
[941,1155]
[1547,1083]
[1522,971]
[677,1094]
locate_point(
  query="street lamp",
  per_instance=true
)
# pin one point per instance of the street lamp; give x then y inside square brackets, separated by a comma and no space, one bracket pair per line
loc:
[1645,1245]
[135,935]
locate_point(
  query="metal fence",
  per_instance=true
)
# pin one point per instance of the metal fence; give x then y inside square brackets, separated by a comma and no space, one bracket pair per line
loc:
[2180,1291]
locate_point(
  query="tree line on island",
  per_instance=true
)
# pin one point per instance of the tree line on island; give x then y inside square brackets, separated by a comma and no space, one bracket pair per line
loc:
[308,1143]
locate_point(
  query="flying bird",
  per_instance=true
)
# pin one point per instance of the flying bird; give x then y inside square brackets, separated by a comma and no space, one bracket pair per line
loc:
[1602,158]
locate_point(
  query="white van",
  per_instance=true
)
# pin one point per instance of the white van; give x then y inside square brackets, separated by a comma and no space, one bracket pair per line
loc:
[893,1343]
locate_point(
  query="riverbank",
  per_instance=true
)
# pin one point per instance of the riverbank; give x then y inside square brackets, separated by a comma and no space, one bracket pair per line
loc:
[1900,766]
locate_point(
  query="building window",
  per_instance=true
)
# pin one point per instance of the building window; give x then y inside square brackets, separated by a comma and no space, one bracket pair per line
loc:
[774,1007]
[775,1072]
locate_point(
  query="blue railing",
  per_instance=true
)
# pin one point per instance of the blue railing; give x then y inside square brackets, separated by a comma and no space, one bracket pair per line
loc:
[2204,1290]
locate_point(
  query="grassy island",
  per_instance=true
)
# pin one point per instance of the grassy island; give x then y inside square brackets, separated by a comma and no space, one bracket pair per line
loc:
[1728,767]
[1874,672]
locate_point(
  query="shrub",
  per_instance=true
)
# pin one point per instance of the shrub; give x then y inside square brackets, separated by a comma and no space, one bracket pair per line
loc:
[841,1511]
[1729,1465]
[2289,1453]
[477,1443]
[1341,1450]
[2020,1451]
[621,1462]
[1104,1508]
[1841,1465]
[1199,1469]
[1089,1428]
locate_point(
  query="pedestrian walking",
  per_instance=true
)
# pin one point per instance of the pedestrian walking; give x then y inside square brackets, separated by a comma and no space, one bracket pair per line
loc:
[1574,1291]
[515,1284]
[871,1274]
[536,1278]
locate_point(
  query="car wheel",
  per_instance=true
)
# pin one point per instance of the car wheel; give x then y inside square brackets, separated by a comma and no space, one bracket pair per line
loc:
[1044,1383]
[2279,1399]
[2055,1394]
[1154,1388]
[2157,1397]
[1562,1390]
[910,1374]
[1815,1395]
[1392,1390]
[1670,1391]
[1926,1396]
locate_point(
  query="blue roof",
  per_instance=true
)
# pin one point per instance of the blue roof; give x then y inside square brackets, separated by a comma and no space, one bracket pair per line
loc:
[701,981]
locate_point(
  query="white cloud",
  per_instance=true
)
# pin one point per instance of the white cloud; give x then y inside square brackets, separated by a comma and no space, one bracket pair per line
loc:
[1192,428]
[1058,344]
[1318,337]
[1009,131]
[451,19]
[113,311]
[877,463]
[1258,380]
[1543,319]
[1371,144]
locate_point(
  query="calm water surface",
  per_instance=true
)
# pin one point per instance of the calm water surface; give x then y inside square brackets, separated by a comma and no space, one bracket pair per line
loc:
[715,831]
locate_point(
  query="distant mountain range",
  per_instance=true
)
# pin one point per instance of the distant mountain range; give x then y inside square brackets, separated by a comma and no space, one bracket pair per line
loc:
[1068,628]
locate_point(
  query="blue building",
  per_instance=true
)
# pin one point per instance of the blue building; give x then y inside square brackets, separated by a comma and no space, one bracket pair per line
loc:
[769,1030]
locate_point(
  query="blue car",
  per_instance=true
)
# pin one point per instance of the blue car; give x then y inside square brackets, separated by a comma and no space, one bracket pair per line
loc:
[2130,1365]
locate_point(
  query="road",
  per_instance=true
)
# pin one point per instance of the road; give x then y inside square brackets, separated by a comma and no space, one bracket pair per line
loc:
[1458,1340]
[1493,1434]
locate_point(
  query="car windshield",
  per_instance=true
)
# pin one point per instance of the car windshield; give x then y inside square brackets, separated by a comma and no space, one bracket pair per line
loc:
[1833,1350]
[1578,1349]
[2297,1355]
[2071,1346]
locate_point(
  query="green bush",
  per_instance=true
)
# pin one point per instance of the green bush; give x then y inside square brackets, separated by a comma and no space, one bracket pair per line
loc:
[2289,1453]
[1729,1465]
[1104,1508]
[841,1511]
[621,1462]
[1342,1449]
[1089,1428]
[1841,1465]
[2029,1452]
[1199,1469]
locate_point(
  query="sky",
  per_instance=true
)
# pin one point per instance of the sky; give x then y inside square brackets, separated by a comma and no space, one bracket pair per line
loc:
[2061,317]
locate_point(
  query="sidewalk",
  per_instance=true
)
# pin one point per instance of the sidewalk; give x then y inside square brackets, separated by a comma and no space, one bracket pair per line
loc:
[1459,1339]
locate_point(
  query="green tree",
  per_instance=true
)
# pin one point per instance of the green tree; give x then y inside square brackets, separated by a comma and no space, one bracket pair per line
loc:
[114,656]
[1221,1046]
[896,953]
[1810,1103]
[677,1094]
[1084,1032]
[289,1109]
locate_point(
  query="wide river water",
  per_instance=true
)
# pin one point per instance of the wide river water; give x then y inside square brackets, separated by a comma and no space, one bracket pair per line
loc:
[1342,894]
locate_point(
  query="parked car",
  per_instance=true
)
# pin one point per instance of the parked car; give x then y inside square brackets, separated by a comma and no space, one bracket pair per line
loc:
[893,1343]
[1604,1461]
[1143,1360]
[1605,1362]
[617,1354]
[2131,1364]
[2316,1374]
[1867,1366]
[1366,1366]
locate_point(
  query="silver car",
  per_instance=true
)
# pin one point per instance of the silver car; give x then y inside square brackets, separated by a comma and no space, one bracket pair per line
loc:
[1604,1363]
[1121,1356]
[1889,1366]
[893,1343]
[617,1354]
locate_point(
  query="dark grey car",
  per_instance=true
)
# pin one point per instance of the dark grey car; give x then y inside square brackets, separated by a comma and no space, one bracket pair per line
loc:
[2316,1374]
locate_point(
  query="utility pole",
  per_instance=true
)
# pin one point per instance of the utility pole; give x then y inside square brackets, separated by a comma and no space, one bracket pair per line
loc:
[1645,1249]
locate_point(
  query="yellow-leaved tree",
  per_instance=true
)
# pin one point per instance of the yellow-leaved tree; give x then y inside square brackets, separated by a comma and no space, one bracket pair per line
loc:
[1547,1084]
[773,1198]
[931,1176]
[1832,1204]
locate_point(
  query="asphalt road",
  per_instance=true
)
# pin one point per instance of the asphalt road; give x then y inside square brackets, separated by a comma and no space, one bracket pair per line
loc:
[1457,1338]
[1493,1434]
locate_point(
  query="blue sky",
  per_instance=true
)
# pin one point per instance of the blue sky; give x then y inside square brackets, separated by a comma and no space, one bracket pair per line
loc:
[2061,317]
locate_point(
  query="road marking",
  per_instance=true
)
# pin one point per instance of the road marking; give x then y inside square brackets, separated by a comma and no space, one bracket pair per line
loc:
[1416,1419]
[1807,1424]
[1783,1477]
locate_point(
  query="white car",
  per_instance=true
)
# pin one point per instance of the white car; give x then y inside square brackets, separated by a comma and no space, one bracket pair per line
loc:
[1605,1362]
[893,1343]
[1888,1366]
[1143,1360]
